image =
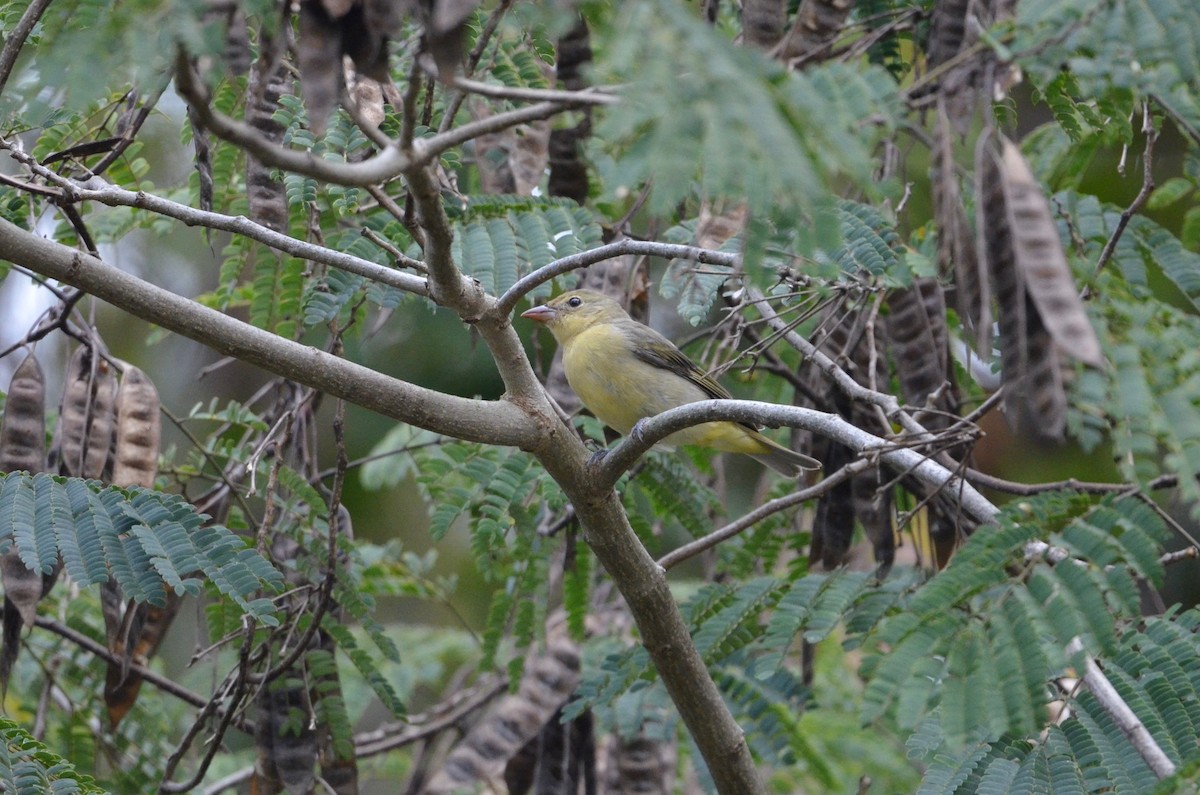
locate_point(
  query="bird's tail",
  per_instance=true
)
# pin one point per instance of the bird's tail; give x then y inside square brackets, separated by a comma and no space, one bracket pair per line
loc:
[786,462]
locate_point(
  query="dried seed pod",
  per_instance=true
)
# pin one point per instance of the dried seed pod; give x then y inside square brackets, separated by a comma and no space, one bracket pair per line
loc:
[1039,255]
[957,253]
[22,585]
[1030,360]
[22,447]
[286,755]
[23,430]
[121,685]
[138,431]
[481,756]
[86,419]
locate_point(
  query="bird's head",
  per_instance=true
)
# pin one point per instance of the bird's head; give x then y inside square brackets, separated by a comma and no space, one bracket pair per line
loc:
[573,312]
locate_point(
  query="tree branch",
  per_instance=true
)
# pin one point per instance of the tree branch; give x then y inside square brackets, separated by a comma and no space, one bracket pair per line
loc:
[840,378]
[914,464]
[693,548]
[583,259]
[382,167]
[588,96]
[1125,718]
[496,422]
[147,674]
[1143,194]
[388,164]
[643,584]
[99,191]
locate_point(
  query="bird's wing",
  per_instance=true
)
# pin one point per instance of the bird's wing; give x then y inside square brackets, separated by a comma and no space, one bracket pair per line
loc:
[668,357]
[658,351]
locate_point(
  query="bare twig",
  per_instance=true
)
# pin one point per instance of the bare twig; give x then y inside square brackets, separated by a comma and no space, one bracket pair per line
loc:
[693,548]
[588,96]
[1187,553]
[987,481]
[237,688]
[1121,713]
[1143,194]
[149,675]
[914,464]
[512,295]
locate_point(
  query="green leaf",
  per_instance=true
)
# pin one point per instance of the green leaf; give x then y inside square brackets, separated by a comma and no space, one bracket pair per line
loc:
[144,539]
[1169,192]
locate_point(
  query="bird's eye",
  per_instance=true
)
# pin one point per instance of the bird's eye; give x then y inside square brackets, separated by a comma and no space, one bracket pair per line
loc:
[574,301]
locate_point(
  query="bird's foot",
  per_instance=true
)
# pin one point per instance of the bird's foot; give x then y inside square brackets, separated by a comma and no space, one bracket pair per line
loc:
[638,432]
[596,459]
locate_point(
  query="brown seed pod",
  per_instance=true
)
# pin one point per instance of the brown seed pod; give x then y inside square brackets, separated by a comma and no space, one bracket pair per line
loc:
[86,419]
[23,447]
[23,430]
[22,586]
[138,431]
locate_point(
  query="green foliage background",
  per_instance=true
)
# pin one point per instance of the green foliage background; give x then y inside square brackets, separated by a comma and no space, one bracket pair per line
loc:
[929,683]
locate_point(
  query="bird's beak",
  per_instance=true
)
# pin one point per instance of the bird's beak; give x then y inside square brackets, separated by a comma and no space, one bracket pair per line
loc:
[540,313]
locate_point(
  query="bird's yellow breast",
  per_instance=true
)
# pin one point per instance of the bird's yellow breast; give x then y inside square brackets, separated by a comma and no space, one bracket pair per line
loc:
[621,389]
[602,371]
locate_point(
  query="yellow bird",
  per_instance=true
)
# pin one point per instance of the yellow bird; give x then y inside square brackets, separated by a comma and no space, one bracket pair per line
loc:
[625,371]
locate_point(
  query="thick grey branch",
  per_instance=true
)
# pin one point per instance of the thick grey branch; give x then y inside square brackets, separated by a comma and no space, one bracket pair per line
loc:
[482,421]
[643,583]
[925,470]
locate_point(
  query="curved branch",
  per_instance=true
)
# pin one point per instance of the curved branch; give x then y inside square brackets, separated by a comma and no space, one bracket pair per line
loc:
[497,422]
[16,38]
[449,287]
[382,167]
[620,248]
[588,96]
[425,150]
[914,464]
[388,164]
[100,191]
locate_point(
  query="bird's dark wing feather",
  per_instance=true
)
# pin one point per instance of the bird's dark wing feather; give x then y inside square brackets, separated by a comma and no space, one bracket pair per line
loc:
[668,357]
[674,360]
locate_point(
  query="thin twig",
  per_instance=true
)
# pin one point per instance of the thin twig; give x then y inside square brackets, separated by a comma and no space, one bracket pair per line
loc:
[987,481]
[473,58]
[1143,194]
[1121,713]
[214,741]
[512,295]
[587,96]
[693,548]
[147,674]
[128,135]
